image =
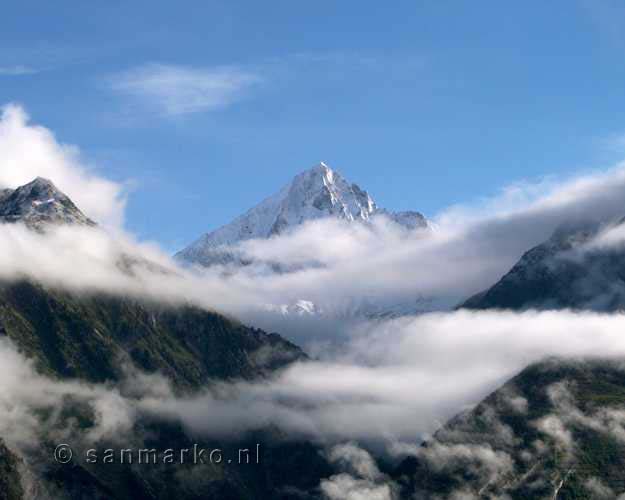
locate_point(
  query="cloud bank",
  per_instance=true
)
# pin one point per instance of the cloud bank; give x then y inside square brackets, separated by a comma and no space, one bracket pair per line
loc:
[398,381]
[390,385]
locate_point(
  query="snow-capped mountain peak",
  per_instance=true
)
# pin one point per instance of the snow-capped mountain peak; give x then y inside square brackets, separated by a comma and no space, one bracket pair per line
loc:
[321,192]
[316,193]
[39,203]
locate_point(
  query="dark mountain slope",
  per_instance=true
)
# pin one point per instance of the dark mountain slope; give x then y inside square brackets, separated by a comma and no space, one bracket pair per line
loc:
[10,484]
[87,337]
[554,431]
[561,273]
[288,470]
[83,337]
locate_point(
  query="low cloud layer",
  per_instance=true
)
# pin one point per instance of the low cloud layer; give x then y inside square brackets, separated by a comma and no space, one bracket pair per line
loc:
[399,380]
[24,395]
[393,383]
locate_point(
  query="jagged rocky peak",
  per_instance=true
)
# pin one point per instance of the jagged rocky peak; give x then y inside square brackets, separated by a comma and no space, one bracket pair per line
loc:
[39,203]
[321,192]
[316,193]
[330,192]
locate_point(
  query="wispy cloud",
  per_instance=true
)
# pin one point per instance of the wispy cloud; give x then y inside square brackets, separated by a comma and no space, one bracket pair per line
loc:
[17,70]
[177,90]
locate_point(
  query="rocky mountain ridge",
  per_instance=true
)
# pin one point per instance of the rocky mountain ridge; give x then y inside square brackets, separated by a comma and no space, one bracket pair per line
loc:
[39,203]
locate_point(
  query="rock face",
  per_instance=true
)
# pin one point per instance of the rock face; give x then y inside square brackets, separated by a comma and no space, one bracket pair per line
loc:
[566,271]
[39,203]
[317,193]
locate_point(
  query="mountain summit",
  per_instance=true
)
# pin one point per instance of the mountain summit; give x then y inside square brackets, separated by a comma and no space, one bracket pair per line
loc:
[314,194]
[39,203]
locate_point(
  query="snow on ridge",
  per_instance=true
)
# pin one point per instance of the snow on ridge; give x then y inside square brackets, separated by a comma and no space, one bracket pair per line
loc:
[316,193]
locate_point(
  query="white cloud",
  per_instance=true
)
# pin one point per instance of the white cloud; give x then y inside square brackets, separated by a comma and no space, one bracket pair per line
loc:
[29,151]
[23,393]
[359,479]
[607,420]
[553,426]
[346,487]
[89,259]
[376,391]
[598,489]
[354,460]
[478,459]
[402,389]
[177,90]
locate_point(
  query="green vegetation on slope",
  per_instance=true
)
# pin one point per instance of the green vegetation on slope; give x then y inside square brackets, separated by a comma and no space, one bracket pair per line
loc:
[84,337]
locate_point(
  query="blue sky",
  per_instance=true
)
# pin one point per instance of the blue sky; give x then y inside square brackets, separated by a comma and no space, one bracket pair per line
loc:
[209,106]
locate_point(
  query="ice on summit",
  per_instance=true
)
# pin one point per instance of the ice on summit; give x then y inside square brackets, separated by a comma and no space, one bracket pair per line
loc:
[317,193]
